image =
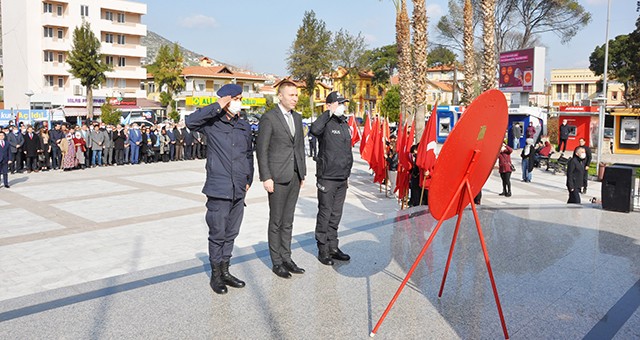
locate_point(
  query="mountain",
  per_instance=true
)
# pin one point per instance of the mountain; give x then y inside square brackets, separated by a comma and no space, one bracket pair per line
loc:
[153,41]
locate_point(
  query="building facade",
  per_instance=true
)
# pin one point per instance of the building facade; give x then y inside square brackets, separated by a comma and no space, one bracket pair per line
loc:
[38,36]
[579,87]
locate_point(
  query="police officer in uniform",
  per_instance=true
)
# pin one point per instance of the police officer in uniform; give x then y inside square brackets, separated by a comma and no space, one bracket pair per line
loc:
[229,176]
[333,164]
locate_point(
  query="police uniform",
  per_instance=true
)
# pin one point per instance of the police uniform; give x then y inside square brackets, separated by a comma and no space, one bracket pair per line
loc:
[333,163]
[229,171]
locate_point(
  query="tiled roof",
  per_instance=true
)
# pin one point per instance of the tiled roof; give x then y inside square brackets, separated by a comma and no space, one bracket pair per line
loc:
[217,72]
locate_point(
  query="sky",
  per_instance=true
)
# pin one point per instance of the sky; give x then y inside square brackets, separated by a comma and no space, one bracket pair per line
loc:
[257,34]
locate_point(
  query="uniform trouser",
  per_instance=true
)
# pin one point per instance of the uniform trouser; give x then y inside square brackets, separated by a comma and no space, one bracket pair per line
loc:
[56,156]
[282,206]
[179,152]
[574,196]
[331,196]
[224,218]
[108,156]
[4,171]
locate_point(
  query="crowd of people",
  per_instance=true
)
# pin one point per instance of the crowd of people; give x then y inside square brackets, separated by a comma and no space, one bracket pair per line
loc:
[68,147]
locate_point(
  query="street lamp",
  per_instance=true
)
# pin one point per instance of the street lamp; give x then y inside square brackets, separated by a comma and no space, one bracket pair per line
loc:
[604,92]
[29,93]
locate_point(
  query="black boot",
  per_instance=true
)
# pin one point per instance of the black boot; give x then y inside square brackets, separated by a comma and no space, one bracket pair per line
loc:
[229,279]
[216,282]
[323,255]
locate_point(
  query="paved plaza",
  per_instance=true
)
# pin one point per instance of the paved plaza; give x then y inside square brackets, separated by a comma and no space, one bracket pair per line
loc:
[121,253]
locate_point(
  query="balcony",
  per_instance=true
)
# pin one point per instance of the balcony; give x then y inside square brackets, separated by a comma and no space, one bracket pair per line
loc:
[125,6]
[55,68]
[127,50]
[54,44]
[127,28]
[127,72]
[51,19]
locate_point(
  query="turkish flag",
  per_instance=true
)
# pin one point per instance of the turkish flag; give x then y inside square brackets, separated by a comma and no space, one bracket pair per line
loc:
[355,133]
[367,151]
[365,136]
[379,159]
[426,158]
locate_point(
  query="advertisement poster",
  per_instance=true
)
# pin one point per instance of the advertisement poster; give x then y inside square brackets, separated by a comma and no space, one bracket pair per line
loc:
[516,71]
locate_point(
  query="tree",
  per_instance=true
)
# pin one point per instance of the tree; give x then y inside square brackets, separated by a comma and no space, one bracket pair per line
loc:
[390,105]
[382,61]
[109,115]
[403,42]
[489,65]
[167,73]
[468,94]
[420,62]
[87,63]
[519,23]
[441,56]
[303,106]
[309,55]
[348,52]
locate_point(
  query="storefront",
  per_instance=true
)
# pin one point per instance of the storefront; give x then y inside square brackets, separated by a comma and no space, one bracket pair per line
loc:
[524,115]
[582,122]
[626,131]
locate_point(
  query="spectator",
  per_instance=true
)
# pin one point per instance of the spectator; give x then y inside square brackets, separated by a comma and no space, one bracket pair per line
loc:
[119,139]
[45,146]
[31,149]
[86,134]
[56,154]
[188,144]
[164,145]
[172,143]
[108,145]
[564,135]
[5,158]
[135,140]
[516,130]
[127,145]
[575,174]
[528,159]
[16,141]
[179,133]
[80,146]
[97,144]
[505,169]
[69,160]
[392,166]
[587,163]
[531,131]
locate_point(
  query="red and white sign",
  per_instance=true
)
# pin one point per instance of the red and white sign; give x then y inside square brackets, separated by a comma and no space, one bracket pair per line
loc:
[578,109]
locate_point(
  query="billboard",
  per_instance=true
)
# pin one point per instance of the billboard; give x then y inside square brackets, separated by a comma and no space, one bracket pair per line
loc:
[522,70]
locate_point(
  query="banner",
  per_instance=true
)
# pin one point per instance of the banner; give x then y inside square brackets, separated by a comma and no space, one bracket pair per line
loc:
[204,101]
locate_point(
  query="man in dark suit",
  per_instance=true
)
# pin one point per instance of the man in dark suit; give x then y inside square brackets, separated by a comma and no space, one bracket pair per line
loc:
[281,163]
[229,176]
[179,133]
[564,136]
[31,149]
[188,144]
[16,141]
[5,159]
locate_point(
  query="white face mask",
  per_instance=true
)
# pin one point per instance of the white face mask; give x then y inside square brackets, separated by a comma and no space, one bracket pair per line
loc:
[235,106]
[582,156]
[340,110]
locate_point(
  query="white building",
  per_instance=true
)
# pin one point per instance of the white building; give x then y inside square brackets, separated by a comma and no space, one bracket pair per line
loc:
[38,35]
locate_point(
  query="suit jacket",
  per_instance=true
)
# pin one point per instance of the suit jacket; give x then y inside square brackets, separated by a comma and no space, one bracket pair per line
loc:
[118,139]
[5,152]
[31,145]
[279,153]
[97,140]
[179,133]
[15,140]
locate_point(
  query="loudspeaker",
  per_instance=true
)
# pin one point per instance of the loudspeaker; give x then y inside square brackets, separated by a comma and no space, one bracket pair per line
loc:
[618,188]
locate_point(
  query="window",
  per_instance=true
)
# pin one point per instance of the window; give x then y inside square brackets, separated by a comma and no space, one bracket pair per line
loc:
[578,88]
[121,40]
[246,88]
[61,57]
[47,8]
[120,17]
[122,83]
[108,60]
[108,15]
[122,61]
[48,32]
[60,82]
[59,11]
[586,88]
[60,34]
[84,10]
[614,95]
[48,80]
[142,86]
[108,38]
[110,83]
[216,86]
[48,56]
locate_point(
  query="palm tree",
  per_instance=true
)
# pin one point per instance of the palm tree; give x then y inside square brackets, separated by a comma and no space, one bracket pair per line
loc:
[469,54]
[403,42]
[489,68]
[420,63]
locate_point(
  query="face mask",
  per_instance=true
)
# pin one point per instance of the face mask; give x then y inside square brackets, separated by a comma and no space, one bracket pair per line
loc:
[340,110]
[234,107]
[582,156]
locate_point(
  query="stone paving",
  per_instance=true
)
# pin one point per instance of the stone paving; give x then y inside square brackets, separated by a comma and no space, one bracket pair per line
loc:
[120,252]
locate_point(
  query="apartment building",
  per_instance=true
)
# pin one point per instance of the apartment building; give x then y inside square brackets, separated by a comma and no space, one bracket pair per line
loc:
[38,36]
[570,87]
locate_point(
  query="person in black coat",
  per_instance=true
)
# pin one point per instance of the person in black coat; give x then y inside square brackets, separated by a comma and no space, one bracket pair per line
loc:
[188,144]
[119,138]
[575,174]
[229,175]
[31,149]
[564,135]
[5,158]
[528,160]
[587,163]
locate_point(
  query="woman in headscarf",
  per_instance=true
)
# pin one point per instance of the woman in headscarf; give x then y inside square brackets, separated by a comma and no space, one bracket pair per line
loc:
[69,160]
[528,158]
[80,147]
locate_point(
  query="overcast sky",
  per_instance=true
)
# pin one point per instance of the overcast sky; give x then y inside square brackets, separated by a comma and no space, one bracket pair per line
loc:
[257,34]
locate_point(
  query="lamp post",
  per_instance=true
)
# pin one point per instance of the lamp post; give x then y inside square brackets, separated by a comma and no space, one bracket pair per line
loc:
[603,104]
[29,93]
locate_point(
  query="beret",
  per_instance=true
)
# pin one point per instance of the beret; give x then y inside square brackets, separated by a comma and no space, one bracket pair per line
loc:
[229,90]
